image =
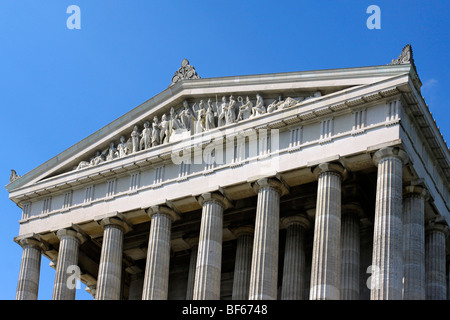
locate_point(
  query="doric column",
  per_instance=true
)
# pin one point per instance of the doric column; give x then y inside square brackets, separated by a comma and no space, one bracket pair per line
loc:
[293,282]
[414,243]
[156,281]
[28,284]
[264,271]
[326,263]
[70,241]
[435,277]
[110,268]
[243,262]
[387,257]
[209,256]
[193,243]
[350,252]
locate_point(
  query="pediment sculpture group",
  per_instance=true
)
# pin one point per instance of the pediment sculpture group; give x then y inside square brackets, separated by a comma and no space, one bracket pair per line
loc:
[190,120]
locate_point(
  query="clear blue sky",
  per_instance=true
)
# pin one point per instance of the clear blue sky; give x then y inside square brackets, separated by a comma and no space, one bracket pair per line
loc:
[57,86]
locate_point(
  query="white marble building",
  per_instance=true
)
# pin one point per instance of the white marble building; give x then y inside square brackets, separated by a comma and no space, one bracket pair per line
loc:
[328,184]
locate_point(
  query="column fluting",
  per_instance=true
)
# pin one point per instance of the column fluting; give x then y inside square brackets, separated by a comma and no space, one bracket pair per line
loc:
[156,281]
[243,261]
[293,281]
[110,268]
[326,262]
[414,243]
[387,257]
[193,243]
[30,266]
[209,256]
[264,270]
[67,264]
[435,277]
[350,252]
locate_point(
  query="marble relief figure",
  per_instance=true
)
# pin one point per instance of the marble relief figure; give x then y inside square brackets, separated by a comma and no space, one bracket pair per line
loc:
[123,148]
[146,137]
[209,117]
[112,152]
[135,139]
[186,116]
[164,130]
[191,120]
[259,107]
[222,112]
[230,115]
[155,132]
[245,110]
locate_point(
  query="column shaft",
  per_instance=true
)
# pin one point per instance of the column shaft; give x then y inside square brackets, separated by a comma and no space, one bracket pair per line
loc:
[209,256]
[191,274]
[350,255]
[28,284]
[326,263]
[435,278]
[242,267]
[387,258]
[110,268]
[156,282]
[293,281]
[66,265]
[264,274]
[413,245]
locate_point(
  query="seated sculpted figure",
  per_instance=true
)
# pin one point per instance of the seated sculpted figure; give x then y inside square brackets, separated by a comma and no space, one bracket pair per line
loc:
[123,148]
[245,110]
[259,108]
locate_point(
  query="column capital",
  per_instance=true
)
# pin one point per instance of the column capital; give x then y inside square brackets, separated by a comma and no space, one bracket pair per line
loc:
[244,230]
[390,152]
[191,241]
[71,233]
[301,220]
[215,196]
[334,167]
[125,227]
[415,190]
[32,241]
[273,183]
[174,216]
[352,208]
[433,225]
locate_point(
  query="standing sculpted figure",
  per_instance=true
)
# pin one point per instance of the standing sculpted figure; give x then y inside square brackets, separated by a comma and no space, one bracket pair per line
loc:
[186,116]
[135,139]
[164,130]
[155,132]
[209,117]
[146,137]
[200,118]
[223,111]
[231,113]
[175,123]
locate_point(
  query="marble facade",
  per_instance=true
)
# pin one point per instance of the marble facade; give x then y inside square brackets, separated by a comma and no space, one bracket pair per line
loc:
[329,184]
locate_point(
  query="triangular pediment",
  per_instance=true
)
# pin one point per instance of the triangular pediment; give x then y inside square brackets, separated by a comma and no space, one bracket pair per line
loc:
[277,91]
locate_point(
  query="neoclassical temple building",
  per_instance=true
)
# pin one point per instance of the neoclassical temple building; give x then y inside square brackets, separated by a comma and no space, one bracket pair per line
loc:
[328,184]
